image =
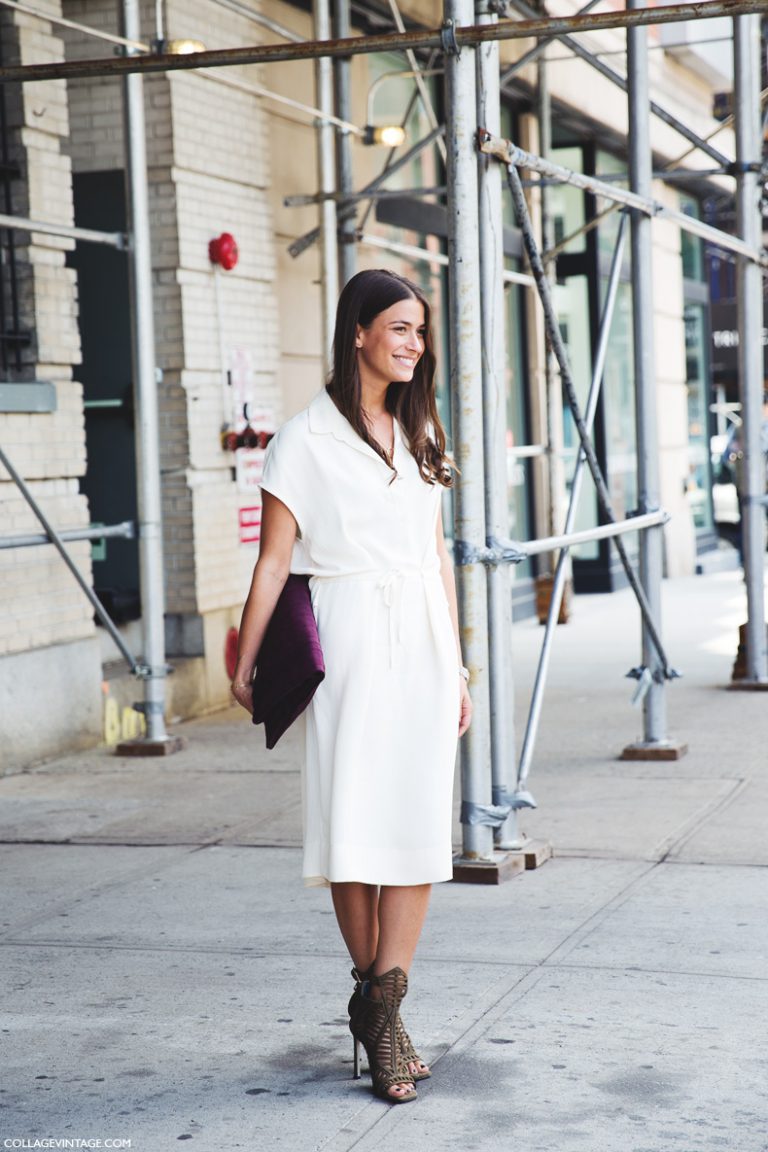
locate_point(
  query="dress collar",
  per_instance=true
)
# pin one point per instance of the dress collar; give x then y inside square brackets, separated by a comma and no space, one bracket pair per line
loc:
[325,419]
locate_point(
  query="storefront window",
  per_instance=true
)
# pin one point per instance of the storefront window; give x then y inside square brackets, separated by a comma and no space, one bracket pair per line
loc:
[699,484]
[572,306]
[697,374]
[566,204]
[579,300]
[691,248]
[619,372]
[519,477]
[610,167]
[619,392]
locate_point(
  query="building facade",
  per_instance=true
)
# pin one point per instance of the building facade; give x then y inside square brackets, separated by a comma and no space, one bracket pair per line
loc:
[239,350]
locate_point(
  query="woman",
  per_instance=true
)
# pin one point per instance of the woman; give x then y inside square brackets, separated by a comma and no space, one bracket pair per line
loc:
[351,496]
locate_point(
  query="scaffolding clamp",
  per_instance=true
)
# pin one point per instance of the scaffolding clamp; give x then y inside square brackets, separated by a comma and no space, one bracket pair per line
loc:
[489,815]
[645,678]
[520,798]
[146,672]
[493,8]
[149,707]
[450,44]
[742,167]
[497,551]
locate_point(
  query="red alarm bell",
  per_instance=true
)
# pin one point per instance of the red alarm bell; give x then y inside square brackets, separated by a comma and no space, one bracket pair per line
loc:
[223,251]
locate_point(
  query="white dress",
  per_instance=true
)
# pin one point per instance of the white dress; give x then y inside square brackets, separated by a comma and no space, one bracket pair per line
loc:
[382,727]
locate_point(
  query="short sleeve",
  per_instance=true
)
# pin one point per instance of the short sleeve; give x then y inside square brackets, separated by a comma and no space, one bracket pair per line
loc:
[282,475]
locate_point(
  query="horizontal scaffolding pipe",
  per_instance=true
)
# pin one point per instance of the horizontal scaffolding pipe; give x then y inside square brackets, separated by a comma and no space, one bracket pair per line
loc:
[125,531]
[309,238]
[303,200]
[601,532]
[413,252]
[510,153]
[90,235]
[502,551]
[658,174]
[58,543]
[448,37]
[527,451]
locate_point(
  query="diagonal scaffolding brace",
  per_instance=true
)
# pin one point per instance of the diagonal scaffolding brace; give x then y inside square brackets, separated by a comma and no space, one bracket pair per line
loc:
[558,347]
[309,238]
[57,539]
[522,798]
[622,82]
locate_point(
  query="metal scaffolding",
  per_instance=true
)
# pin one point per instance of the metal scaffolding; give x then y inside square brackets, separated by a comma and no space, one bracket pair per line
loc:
[493,787]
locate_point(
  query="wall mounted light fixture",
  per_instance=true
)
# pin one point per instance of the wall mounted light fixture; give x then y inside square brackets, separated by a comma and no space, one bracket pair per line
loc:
[390,135]
[184,47]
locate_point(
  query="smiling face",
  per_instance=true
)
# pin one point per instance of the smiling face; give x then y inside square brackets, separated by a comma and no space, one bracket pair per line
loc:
[389,349]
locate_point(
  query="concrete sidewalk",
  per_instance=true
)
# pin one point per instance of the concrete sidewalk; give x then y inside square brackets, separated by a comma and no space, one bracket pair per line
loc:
[167,978]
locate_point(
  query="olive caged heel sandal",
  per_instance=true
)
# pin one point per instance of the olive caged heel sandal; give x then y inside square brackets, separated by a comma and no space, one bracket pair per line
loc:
[408,1053]
[373,1024]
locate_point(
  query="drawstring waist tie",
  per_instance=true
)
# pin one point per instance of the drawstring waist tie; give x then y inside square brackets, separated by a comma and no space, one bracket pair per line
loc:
[390,583]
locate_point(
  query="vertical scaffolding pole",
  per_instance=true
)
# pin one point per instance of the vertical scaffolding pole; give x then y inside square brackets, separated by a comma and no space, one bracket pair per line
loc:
[746,44]
[329,276]
[145,391]
[552,385]
[499,590]
[648,483]
[466,376]
[342,75]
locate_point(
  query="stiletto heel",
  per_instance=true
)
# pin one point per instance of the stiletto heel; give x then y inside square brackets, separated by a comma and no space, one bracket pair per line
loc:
[355,1058]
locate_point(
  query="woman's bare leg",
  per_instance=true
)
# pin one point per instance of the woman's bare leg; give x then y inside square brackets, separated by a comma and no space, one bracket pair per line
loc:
[381,929]
[357,911]
[401,918]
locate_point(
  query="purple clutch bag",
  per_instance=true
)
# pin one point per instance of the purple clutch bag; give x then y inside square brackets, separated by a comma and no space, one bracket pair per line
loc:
[290,663]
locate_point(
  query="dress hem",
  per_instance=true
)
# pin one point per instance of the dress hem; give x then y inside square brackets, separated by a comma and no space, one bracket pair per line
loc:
[324,882]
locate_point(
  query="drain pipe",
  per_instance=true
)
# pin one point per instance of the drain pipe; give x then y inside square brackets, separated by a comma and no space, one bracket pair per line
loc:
[157,741]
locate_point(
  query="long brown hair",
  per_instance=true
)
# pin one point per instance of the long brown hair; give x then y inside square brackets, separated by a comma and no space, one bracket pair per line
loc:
[412,403]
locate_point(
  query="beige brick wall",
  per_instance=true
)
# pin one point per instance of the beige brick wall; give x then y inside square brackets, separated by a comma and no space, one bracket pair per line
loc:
[207,147]
[41,603]
[221,176]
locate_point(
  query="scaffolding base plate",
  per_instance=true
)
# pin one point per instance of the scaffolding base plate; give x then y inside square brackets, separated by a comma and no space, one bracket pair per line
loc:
[668,750]
[496,869]
[536,853]
[141,747]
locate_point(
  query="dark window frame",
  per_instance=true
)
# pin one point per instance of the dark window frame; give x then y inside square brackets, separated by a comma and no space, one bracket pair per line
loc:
[13,338]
